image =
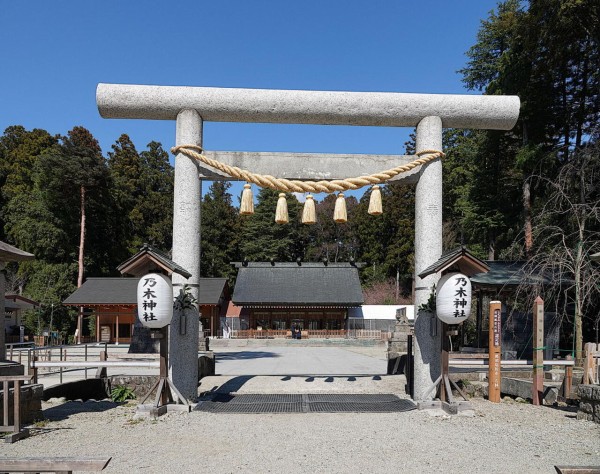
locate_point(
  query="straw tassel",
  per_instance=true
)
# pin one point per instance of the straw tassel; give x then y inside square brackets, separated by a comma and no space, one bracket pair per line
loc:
[309,215]
[247,204]
[375,207]
[339,214]
[281,215]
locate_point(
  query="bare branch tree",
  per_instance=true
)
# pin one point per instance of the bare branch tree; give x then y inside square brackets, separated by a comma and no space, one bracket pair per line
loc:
[566,233]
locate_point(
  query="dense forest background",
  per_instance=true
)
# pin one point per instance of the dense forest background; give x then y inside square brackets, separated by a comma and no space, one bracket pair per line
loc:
[529,194]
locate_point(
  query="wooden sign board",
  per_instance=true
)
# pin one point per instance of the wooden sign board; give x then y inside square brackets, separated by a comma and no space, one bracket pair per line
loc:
[495,351]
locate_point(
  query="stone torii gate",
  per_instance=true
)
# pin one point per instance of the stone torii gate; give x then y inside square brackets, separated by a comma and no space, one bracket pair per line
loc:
[191,106]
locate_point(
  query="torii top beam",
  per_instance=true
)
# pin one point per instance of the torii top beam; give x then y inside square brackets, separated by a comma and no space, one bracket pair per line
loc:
[384,109]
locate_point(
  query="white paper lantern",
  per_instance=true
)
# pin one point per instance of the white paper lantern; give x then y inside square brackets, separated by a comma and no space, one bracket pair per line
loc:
[453,300]
[155,300]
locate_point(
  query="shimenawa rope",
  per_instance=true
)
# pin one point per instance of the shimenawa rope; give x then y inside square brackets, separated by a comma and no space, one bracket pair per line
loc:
[296,186]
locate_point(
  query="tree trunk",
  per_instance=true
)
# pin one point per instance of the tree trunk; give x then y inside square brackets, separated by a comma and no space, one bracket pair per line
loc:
[578,267]
[81,238]
[491,247]
[582,104]
[528,226]
[80,261]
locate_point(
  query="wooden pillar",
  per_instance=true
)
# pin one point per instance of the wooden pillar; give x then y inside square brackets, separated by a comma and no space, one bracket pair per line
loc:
[537,394]
[445,363]
[2,312]
[164,363]
[79,325]
[117,329]
[495,351]
[568,380]
[97,327]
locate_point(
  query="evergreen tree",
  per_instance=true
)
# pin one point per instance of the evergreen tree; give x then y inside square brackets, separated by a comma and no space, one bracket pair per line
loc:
[328,239]
[218,232]
[125,167]
[19,151]
[261,239]
[153,213]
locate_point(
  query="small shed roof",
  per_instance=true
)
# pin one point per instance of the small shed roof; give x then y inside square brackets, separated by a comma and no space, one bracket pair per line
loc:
[149,258]
[20,302]
[507,274]
[8,253]
[123,291]
[297,284]
[461,258]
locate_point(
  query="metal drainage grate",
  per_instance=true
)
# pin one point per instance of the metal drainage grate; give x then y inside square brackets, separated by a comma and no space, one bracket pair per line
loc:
[316,403]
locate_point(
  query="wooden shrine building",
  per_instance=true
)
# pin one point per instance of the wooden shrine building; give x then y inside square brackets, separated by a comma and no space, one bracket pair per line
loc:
[111,302]
[276,296]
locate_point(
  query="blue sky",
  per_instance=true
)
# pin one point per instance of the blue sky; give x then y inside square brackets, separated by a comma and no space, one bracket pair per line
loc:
[54,53]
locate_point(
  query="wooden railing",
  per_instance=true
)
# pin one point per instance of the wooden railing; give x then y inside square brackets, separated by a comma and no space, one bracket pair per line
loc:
[15,430]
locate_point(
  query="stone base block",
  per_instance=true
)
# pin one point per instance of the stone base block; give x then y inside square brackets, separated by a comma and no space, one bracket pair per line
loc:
[523,389]
[206,364]
[589,404]
[152,411]
[31,404]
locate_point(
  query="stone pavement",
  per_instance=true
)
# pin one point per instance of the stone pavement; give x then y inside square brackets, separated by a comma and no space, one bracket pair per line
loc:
[261,368]
[301,360]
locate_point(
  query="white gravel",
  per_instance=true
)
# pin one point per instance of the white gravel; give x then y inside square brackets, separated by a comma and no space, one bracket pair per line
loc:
[497,438]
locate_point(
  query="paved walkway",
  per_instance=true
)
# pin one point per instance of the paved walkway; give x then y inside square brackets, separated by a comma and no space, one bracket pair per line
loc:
[266,369]
[309,361]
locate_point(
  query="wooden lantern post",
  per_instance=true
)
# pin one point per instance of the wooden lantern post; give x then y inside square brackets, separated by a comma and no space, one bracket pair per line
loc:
[155,311]
[495,351]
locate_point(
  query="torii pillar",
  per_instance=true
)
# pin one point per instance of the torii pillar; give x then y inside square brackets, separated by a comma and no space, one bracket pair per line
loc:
[428,248]
[190,106]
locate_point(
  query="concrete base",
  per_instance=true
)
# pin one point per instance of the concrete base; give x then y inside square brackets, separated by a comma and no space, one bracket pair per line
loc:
[14,437]
[523,389]
[152,411]
[454,408]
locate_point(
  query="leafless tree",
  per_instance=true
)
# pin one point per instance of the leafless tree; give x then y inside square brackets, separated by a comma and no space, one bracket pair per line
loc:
[566,232]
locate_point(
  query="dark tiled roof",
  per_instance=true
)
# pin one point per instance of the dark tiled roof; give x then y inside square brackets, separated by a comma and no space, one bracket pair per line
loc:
[8,253]
[211,290]
[449,258]
[101,291]
[107,291]
[509,273]
[150,252]
[291,284]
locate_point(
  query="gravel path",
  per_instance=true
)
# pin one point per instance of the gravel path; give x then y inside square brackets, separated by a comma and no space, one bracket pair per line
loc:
[497,438]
